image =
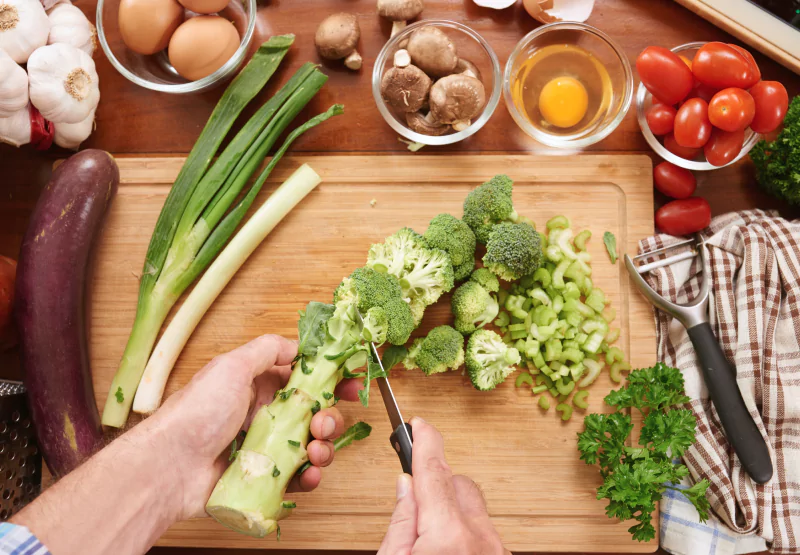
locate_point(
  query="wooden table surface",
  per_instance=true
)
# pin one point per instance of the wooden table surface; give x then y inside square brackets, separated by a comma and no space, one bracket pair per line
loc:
[134,121]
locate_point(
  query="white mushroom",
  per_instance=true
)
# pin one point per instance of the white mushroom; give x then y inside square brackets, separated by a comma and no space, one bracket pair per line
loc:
[400,11]
[405,88]
[456,100]
[337,37]
[424,124]
[432,51]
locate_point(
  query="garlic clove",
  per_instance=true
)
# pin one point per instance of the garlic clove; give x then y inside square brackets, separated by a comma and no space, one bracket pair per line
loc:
[48,4]
[13,86]
[23,28]
[551,11]
[16,129]
[63,83]
[71,135]
[69,25]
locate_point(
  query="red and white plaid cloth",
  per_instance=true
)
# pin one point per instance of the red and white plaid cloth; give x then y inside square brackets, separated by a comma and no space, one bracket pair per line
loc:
[754,259]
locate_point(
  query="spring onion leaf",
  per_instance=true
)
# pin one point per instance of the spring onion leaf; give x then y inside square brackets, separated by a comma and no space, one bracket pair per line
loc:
[611,246]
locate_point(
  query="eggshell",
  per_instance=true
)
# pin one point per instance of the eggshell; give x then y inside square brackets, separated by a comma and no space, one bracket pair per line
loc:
[202,45]
[147,25]
[204,6]
[495,4]
[551,11]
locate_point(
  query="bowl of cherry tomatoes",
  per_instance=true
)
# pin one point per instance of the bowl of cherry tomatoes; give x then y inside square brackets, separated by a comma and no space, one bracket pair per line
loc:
[703,106]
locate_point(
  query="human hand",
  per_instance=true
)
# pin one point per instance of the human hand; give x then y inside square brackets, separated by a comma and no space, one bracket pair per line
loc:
[438,513]
[202,419]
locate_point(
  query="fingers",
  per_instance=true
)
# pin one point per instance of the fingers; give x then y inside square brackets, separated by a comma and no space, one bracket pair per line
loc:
[327,424]
[470,499]
[320,453]
[433,484]
[307,481]
[402,532]
[262,354]
[348,389]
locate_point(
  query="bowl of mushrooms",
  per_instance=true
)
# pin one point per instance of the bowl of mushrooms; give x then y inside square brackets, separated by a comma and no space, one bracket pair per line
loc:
[437,82]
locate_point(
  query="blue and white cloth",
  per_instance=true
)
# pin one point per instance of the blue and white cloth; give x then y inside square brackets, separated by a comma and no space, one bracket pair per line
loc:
[18,540]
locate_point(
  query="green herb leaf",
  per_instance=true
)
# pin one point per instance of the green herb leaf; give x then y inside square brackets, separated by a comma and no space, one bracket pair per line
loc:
[327,395]
[289,505]
[276,472]
[304,367]
[120,396]
[393,356]
[311,327]
[356,432]
[777,162]
[611,246]
[293,443]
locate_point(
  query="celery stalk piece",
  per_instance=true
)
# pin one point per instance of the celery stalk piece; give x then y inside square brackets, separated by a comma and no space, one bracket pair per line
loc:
[253,232]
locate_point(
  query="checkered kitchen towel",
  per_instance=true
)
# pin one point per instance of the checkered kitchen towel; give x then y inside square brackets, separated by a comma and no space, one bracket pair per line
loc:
[754,260]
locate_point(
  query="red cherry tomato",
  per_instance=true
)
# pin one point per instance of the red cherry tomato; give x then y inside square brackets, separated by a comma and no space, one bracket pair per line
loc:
[752,61]
[661,119]
[692,128]
[731,109]
[771,103]
[685,216]
[674,181]
[723,146]
[664,74]
[718,65]
[703,91]
[681,152]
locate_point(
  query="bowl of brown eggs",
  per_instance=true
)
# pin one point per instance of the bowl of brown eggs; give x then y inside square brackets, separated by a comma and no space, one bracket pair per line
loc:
[176,46]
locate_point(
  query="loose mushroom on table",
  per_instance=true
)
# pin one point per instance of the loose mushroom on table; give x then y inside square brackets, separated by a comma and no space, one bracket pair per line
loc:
[337,37]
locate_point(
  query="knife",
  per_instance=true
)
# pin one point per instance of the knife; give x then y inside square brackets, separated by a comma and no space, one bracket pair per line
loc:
[401,438]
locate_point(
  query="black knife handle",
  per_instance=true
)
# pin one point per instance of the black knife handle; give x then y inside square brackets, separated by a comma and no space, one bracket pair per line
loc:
[401,443]
[740,429]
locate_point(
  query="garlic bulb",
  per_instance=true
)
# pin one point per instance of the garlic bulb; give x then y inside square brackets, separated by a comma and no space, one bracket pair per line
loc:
[13,86]
[16,129]
[63,83]
[23,28]
[71,135]
[68,25]
[47,4]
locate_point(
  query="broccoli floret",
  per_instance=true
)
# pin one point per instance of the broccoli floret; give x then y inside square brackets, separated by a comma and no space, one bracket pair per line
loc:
[429,273]
[488,205]
[513,251]
[487,279]
[441,350]
[417,310]
[453,236]
[489,360]
[364,289]
[473,307]
[376,325]
[391,256]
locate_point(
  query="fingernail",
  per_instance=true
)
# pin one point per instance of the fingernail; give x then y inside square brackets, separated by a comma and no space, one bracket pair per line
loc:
[403,486]
[325,451]
[417,419]
[328,427]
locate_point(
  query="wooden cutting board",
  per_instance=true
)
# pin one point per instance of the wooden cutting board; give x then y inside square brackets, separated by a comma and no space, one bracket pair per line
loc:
[541,497]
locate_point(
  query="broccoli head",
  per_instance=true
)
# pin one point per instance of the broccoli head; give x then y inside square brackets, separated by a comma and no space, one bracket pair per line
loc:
[487,279]
[489,360]
[441,350]
[429,273]
[488,205]
[513,251]
[473,307]
[391,256]
[453,236]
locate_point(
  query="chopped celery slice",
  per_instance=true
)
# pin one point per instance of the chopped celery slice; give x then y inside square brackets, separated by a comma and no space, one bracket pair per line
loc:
[564,371]
[532,368]
[558,304]
[544,317]
[570,344]
[542,276]
[554,254]
[612,335]
[580,338]
[593,325]
[565,387]
[516,327]
[502,295]
[558,274]
[580,400]
[572,355]
[609,314]
[503,319]
[614,354]
[558,222]
[543,379]
[593,342]
[571,291]
[538,360]
[571,333]
[520,345]
[523,378]
[577,371]
[596,300]
[593,370]
[520,334]
[616,371]
[531,347]
[565,410]
[575,305]
[544,403]
[553,391]
[539,389]
[574,319]
[552,350]
[581,238]
[539,295]
[574,271]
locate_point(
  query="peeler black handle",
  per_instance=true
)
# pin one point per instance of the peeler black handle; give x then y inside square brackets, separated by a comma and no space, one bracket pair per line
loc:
[401,440]
[740,429]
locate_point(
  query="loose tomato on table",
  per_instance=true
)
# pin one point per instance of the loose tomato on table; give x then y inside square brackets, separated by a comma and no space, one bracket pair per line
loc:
[680,151]
[723,146]
[685,216]
[674,181]
[719,65]
[771,102]
[731,109]
[664,74]
[661,118]
[692,127]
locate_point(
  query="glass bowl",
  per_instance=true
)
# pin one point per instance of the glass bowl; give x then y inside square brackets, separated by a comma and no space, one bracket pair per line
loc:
[643,102]
[155,72]
[602,49]
[469,45]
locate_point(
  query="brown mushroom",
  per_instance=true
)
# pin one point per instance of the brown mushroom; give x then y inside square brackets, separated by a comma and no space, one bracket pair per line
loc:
[432,51]
[424,124]
[405,88]
[456,99]
[400,11]
[468,68]
[337,37]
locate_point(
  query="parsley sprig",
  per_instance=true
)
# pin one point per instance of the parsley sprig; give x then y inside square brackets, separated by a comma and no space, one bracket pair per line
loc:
[634,478]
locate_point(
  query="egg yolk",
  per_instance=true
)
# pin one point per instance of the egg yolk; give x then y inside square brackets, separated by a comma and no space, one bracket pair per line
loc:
[563,102]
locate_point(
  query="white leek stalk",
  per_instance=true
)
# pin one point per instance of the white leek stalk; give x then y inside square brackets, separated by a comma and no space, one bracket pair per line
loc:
[281,202]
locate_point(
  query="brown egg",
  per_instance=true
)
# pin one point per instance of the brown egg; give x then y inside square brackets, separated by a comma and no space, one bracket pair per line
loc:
[202,45]
[204,6]
[147,25]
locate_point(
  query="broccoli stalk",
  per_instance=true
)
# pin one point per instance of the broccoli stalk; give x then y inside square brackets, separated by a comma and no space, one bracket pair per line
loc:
[249,496]
[489,360]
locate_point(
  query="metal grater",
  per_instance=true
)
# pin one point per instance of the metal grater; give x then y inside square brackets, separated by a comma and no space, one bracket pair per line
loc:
[20,460]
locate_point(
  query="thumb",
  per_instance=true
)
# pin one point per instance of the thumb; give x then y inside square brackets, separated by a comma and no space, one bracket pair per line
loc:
[402,532]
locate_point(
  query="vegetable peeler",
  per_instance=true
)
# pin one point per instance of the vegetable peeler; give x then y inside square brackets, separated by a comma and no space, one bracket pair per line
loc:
[718,373]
